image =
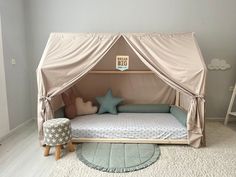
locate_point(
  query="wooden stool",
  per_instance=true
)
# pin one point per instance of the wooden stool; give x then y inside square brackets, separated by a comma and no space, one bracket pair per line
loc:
[57,132]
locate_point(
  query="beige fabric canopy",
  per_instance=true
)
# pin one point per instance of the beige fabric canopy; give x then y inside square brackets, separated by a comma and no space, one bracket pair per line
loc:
[175,58]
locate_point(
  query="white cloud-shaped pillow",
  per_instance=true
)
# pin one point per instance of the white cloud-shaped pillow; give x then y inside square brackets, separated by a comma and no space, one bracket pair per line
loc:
[84,108]
[217,64]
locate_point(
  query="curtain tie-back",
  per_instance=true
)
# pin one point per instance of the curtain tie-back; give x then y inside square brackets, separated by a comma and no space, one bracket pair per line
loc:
[45,98]
[199,96]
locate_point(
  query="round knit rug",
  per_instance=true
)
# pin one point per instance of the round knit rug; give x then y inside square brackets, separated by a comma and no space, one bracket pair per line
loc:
[118,158]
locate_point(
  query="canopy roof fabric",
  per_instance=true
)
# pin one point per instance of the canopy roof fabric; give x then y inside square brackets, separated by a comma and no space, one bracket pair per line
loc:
[175,58]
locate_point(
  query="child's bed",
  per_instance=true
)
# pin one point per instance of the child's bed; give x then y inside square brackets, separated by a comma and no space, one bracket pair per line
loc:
[125,127]
[140,71]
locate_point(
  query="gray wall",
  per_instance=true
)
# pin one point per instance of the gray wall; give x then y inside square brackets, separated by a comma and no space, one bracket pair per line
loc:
[17,76]
[212,20]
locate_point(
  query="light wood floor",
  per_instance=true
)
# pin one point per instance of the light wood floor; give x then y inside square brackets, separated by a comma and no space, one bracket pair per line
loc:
[21,155]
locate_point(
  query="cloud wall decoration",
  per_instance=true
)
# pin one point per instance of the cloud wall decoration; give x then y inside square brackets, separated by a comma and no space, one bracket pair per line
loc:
[218,64]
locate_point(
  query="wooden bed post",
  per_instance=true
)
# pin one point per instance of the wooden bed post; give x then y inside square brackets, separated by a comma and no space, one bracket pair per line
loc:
[177,98]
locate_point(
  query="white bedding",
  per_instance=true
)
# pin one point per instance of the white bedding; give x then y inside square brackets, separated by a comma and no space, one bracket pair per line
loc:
[128,125]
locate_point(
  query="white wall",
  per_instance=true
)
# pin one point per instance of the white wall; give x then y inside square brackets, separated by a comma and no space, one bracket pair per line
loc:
[212,20]
[17,76]
[31,21]
[4,125]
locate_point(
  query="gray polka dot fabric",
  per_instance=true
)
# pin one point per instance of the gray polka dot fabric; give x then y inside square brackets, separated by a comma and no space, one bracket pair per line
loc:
[129,125]
[57,131]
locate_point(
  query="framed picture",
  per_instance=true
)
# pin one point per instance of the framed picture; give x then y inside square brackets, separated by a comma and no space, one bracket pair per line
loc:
[122,62]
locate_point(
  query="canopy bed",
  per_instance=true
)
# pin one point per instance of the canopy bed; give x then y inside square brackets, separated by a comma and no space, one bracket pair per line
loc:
[166,70]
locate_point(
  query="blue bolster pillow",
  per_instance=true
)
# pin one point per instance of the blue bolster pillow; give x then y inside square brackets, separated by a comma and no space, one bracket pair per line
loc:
[179,114]
[144,108]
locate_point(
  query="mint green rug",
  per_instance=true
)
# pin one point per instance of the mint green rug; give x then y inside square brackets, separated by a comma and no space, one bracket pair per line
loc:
[117,158]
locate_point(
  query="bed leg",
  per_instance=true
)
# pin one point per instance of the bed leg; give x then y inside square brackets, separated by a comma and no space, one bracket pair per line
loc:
[71,147]
[204,138]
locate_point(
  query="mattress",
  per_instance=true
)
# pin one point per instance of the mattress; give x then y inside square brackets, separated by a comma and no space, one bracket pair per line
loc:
[128,125]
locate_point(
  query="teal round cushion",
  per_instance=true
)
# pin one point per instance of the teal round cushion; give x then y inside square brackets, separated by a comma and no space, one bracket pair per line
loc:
[57,131]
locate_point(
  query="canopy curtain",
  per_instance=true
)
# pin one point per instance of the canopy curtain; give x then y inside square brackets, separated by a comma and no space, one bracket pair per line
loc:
[66,59]
[175,58]
[168,57]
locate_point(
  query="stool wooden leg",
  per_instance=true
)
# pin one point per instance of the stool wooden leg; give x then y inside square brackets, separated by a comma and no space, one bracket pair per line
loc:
[71,147]
[46,150]
[58,152]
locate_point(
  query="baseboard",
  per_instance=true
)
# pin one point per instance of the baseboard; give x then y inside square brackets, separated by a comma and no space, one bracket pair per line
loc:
[15,129]
[215,118]
[220,119]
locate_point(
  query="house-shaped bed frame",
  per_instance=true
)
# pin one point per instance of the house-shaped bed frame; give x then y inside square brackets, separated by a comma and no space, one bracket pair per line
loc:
[174,58]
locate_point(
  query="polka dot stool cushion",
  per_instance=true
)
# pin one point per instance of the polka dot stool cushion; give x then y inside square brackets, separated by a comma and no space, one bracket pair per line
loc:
[57,131]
